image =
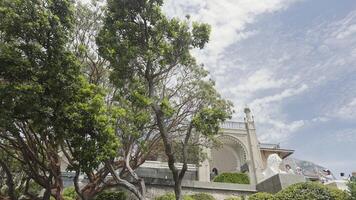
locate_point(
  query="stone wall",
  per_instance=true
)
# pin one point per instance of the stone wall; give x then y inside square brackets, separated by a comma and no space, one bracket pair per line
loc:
[278,182]
[220,191]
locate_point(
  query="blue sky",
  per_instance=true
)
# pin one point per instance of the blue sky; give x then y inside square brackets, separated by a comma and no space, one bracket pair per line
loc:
[293,62]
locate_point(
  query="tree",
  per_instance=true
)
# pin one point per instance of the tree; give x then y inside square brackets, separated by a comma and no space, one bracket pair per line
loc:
[87,23]
[47,107]
[150,59]
[132,125]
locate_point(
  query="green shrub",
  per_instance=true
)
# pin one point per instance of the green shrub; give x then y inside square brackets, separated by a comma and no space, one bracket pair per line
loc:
[168,196]
[352,188]
[305,191]
[240,178]
[171,196]
[261,196]
[233,198]
[187,197]
[338,194]
[69,193]
[111,196]
[202,196]
[34,188]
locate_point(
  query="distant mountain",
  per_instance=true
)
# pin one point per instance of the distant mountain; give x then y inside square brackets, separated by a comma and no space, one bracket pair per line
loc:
[309,169]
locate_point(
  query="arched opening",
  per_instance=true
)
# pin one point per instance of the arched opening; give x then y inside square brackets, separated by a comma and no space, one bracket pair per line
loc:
[230,156]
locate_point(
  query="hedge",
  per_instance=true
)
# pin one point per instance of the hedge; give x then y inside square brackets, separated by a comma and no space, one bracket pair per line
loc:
[171,196]
[352,188]
[338,194]
[240,178]
[305,191]
[233,198]
[299,191]
[261,196]
[69,193]
[111,196]
[202,196]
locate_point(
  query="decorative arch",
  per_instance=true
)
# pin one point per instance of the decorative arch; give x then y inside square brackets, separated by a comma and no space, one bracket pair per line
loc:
[231,156]
[237,142]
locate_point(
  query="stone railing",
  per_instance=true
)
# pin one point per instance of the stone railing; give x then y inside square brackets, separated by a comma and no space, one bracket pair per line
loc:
[233,125]
[164,165]
[269,146]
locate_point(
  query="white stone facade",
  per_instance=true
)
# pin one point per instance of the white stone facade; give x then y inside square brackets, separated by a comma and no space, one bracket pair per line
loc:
[240,151]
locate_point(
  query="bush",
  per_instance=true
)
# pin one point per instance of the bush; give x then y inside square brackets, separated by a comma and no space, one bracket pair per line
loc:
[168,196]
[34,188]
[261,196]
[67,198]
[187,197]
[352,188]
[240,178]
[305,191]
[338,194]
[233,198]
[69,193]
[171,196]
[111,196]
[202,196]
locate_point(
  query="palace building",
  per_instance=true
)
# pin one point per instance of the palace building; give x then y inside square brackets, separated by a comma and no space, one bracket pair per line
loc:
[240,152]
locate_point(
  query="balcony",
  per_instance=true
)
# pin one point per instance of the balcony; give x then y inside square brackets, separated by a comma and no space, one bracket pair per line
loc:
[233,125]
[269,146]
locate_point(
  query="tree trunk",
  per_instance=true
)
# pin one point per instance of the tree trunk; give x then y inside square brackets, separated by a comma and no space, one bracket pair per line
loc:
[48,188]
[76,186]
[57,190]
[9,181]
[132,188]
[47,194]
[178,189]
[134,174]
[169,153]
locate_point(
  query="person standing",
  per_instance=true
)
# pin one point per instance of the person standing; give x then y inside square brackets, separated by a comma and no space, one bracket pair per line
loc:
[289,169]
[214,173]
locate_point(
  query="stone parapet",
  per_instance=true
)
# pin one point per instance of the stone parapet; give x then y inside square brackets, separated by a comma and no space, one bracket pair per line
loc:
[278,182]
[219,190]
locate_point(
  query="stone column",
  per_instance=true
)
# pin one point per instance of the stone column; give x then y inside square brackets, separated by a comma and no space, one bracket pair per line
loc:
[255,153]
[251,172]
[204,168]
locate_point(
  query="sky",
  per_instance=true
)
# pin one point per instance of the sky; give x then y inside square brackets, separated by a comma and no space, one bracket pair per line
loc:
[293,62]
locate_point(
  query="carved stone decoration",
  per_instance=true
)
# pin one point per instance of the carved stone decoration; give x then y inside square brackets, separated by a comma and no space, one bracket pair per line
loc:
[273,163]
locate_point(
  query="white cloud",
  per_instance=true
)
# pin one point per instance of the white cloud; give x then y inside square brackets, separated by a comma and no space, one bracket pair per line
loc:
[344,28]
[347,111]
[345,135]
[279,97]
[266,68]
[279,131]
[260,80]
[320,119]
[228,19]
[245,87]
[271,123]
[347,32]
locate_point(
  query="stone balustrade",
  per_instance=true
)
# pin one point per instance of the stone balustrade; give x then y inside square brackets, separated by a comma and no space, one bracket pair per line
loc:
[233,125]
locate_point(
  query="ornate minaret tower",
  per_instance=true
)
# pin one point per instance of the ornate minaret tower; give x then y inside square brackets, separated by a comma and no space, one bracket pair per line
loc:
[255,164]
